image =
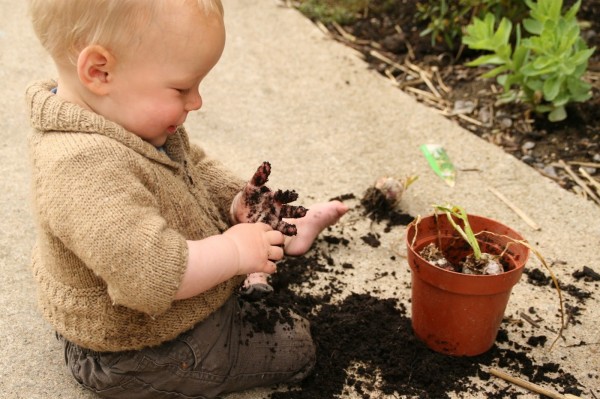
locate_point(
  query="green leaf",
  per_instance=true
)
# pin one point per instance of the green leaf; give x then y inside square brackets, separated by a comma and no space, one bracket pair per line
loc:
[579,70]
[579,90]
[566,69]
[466,231]
[502,35]
[494,72]
[562,99]
[558,114]
[572,12]
[532,26]
[486,59]
[535,84]
[567,35]
[530,70]
[480,33]
[427,31]
[520,56]
[553,8]
[507,97]
[582,56]
[552,87]
[544,62]
[543,108]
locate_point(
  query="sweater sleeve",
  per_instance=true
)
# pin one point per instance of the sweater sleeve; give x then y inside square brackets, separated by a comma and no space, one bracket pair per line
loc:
[219,181]
[95,201]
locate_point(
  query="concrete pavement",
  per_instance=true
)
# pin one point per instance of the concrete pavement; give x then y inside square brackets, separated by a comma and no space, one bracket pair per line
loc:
[286,93]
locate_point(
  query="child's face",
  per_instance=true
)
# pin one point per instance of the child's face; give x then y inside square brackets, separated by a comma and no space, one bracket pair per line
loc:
[154,89]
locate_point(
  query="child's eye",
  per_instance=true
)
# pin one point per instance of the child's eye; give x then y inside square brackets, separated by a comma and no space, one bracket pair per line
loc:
[183,91]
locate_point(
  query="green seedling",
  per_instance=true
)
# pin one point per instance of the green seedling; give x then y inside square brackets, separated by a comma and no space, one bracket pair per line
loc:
[466,232]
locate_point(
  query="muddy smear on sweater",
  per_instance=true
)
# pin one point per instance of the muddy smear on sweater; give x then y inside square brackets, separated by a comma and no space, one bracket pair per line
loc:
[365,344]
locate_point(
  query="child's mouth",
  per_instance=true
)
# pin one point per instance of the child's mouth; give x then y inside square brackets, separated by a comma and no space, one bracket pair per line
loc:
[171,129]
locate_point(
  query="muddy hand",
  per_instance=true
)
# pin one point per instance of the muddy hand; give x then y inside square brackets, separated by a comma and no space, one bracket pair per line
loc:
[270,207]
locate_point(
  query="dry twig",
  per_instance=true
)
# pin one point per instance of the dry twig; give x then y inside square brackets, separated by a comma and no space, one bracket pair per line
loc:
[322,27]
[530,385]
[470,120]
[425,76]
[529,320]
[381,57]
[579,182]
[585,164]
[438,77]
[593,182]
[343,33]
[512,206]
[408,83]
[423,93]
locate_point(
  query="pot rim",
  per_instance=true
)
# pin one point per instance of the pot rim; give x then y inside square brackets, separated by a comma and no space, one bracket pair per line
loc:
[449,278]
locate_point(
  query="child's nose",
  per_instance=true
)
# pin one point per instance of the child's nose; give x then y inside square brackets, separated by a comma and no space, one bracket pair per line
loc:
[193,101]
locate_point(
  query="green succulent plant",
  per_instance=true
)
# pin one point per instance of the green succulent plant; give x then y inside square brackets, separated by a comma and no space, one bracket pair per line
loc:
[544,69]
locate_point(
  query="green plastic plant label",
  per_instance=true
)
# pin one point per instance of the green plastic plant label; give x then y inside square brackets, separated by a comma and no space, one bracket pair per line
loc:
[440,162]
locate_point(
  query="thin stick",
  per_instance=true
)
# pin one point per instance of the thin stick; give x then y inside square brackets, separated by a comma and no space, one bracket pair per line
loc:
[424,93]
[529,320]
[512,206]
[412,82]
[343,33]
[589,177]
[580,182]
[435,103]
[425,76]
[530,385]
[322,27]
[469,119]
[391,76]
[463,117]
[430,85]
[438,77]
[588,164]
[381,57]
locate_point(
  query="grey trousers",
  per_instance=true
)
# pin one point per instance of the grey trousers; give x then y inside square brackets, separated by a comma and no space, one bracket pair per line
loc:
[222,354]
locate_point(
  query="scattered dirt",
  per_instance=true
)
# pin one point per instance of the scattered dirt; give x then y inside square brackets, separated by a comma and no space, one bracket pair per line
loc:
[392,37]
[365,344]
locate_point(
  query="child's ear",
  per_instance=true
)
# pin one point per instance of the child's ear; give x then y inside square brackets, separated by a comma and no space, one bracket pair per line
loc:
[95,66]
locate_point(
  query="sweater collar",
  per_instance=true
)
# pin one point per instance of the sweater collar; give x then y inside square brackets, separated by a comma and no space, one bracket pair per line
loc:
[50,113]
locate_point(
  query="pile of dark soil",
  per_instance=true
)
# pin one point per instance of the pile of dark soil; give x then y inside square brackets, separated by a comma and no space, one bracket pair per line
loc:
[365,344]
[390,39]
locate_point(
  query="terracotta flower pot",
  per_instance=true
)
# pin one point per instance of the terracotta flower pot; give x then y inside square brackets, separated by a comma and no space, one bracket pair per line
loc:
[454,313]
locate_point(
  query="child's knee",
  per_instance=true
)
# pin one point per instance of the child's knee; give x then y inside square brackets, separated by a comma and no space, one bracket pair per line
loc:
[306,351]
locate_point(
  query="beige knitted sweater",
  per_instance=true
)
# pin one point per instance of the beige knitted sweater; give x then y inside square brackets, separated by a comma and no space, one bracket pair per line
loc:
[113,215]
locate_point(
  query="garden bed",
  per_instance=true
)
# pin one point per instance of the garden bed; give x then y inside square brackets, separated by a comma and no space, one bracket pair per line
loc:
[567,152]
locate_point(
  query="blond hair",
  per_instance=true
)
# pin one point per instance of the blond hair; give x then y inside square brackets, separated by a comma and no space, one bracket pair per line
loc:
[65,27]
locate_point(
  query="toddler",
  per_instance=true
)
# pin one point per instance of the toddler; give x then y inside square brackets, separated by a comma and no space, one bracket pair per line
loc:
[142,240]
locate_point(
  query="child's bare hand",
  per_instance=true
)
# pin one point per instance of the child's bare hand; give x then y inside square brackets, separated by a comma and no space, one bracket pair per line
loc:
[259,204]
[258,245]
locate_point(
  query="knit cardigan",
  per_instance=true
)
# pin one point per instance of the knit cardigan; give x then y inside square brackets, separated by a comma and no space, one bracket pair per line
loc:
[112,218]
